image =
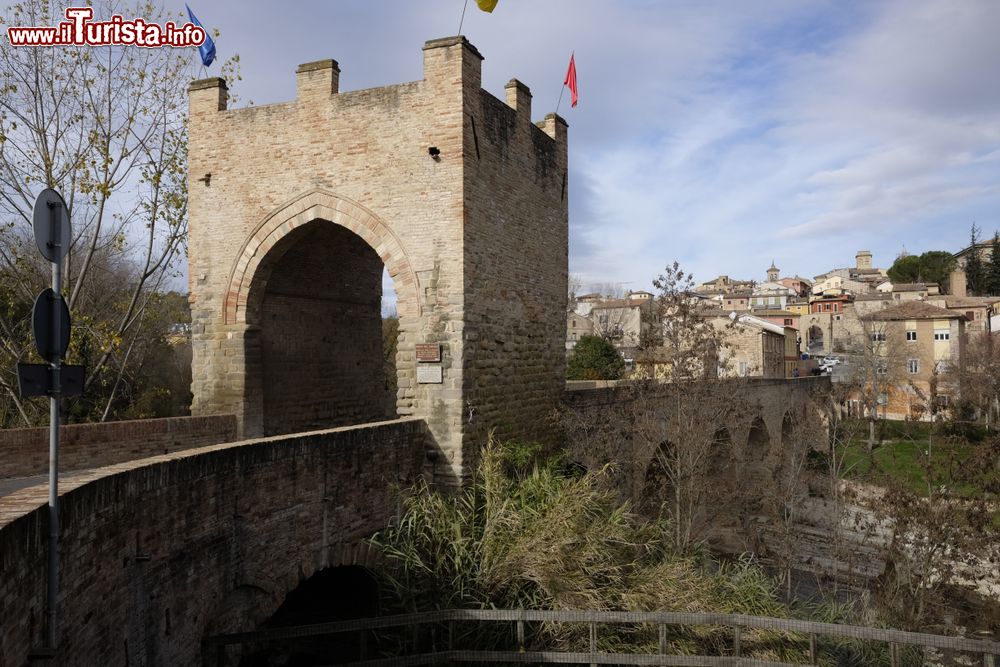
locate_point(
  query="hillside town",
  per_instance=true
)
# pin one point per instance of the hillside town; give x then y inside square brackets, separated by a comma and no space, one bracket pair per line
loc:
[912,337]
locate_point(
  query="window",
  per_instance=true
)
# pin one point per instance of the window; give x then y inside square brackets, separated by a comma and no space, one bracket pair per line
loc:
[574,335]
[838,317]
[942,335]
[744,368]
[788,321]
[911,335]
[878,337]
[943,400]
[913,366]
[881,368]
[970,315]
[574,324]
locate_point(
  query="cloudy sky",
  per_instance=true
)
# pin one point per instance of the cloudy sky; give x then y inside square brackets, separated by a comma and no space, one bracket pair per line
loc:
[720,134]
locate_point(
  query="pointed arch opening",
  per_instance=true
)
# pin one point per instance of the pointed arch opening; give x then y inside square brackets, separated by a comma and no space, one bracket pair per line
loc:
[308,289]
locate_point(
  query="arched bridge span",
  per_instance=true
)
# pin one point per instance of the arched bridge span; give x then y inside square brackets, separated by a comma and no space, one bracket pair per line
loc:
[160,552]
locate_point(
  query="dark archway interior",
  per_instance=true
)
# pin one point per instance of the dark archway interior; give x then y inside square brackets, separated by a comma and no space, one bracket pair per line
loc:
[788,429]
[815,341]
[758,449]
[657,488]
[333,594]
[320,332]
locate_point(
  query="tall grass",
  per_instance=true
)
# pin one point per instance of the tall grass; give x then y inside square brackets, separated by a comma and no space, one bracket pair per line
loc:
[535,534]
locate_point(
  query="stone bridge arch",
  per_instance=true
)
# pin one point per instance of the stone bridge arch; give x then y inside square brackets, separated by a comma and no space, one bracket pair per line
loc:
[301,210]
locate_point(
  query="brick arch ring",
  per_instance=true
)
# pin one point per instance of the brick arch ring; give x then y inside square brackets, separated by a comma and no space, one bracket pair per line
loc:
[306,208]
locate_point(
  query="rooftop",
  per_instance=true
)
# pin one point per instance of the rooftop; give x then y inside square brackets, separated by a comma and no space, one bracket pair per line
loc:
[914,310]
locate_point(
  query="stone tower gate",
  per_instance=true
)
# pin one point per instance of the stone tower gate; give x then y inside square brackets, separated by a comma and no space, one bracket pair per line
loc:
[295,208]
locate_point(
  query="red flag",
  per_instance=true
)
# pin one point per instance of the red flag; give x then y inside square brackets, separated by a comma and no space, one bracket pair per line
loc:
[571,79]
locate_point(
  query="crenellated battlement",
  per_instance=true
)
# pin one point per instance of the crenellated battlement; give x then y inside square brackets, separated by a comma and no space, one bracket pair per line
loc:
[450,63]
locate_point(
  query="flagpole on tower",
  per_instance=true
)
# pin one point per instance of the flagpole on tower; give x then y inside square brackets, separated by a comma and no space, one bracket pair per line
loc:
[562,89]
[464,7]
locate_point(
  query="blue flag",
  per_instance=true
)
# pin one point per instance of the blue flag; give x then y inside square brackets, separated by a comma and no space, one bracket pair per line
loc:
[207,49]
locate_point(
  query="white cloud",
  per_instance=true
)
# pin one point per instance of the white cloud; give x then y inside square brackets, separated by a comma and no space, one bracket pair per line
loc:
[722,134]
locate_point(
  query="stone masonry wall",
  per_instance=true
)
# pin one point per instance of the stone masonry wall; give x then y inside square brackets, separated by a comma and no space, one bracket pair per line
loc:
[159,553]
[440,179]
[599,429]
[516,263]
[25,451]
[358,160]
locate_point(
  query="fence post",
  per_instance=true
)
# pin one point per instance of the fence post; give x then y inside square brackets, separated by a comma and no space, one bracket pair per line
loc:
[663,638]
[593,643]
[451,635]
[989,660]
[520,635]
[737,649]
[894,654]
[812,648]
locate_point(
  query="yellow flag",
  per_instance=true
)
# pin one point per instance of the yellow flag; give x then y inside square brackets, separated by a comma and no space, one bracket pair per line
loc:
[487,5]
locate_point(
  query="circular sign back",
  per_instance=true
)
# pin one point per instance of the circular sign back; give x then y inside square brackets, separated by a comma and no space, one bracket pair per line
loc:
[52,230]
[51,342]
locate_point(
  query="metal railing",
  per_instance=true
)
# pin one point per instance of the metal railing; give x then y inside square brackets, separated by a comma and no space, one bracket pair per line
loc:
[808,631]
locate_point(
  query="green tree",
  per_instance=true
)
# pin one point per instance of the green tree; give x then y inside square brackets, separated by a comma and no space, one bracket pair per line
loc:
[975,272]
[906,269]
[993,268]
[594,358]
[934,266]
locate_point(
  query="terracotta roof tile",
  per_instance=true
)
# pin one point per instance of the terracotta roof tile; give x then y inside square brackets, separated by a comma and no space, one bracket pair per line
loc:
[914,310]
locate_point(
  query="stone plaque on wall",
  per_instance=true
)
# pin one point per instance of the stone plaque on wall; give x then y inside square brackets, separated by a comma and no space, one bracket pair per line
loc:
[428,352]
[429,375]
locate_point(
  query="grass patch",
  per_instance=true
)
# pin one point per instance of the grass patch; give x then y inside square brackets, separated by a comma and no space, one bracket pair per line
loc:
[921,461]
[912,464]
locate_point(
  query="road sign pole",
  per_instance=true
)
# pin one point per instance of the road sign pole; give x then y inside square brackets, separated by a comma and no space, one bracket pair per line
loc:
[55,217]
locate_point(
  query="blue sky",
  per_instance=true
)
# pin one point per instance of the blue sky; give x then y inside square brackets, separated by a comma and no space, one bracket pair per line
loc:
[722,134]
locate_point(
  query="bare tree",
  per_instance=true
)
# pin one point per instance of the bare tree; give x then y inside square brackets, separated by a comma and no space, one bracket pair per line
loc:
[978,376]
[685,423]
[692,470]
[938,534]
[574,287]
[801,435]
[106,127]
[681,344]
[877,368]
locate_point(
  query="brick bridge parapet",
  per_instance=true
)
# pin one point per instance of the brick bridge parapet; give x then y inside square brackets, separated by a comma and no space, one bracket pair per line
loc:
[160,552]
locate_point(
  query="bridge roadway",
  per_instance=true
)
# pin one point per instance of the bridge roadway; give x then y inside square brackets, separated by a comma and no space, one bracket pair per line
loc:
[160,552]
[9,486]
